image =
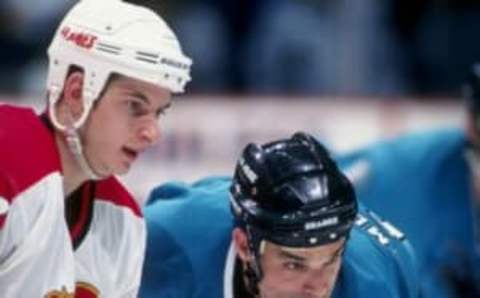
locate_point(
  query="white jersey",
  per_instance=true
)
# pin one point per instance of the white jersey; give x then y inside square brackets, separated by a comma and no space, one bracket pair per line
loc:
[91,245]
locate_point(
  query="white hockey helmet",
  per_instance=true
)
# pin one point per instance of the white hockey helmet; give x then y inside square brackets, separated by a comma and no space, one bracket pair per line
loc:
[103,37]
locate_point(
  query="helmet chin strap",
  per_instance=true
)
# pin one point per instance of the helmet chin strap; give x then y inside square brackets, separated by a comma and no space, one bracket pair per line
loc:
[252,280]
[75,146]
[70,132]
[253,270]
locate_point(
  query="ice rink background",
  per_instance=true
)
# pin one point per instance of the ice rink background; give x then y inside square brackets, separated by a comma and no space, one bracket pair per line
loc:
[203,135]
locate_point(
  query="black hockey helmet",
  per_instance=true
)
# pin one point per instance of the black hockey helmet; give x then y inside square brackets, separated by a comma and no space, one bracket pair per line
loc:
[290,192]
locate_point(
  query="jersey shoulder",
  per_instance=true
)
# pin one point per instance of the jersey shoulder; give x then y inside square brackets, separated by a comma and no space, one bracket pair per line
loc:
[113,191]
[380,166]
[28,152]
[416,148]
[206,196]
[171,203]
[211,187]
[188,234]
[379,253]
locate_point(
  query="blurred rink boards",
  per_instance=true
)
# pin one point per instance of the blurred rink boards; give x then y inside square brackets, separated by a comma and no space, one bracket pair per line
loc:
[203,136]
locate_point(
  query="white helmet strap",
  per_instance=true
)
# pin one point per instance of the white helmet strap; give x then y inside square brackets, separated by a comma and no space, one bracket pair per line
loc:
[70,132]
[54,97]
[75,146]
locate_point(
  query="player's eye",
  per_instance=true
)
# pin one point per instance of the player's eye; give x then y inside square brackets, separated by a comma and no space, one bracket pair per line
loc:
[161,112]
[294,266]
[332,261]
[136,108]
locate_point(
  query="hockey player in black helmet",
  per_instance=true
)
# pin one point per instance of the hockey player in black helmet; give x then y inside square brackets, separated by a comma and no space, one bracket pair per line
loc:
[286,225]
[290,194]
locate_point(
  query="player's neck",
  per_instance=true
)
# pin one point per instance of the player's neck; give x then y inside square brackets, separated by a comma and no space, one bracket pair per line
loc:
[73,175]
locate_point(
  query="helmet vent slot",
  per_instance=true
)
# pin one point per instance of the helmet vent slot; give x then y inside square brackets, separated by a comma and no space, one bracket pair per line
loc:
[147,57]
[108,48]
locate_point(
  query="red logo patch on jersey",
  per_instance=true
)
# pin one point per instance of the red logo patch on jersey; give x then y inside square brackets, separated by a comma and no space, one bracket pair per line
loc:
[83,40]
[86,290]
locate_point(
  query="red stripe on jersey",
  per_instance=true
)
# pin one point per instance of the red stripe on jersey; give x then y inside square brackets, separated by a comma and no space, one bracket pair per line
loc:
[85,202]
[3,217]
[27,153]
[111,190]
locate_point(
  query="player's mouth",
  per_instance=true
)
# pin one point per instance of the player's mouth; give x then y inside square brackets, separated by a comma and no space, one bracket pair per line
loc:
[130,153]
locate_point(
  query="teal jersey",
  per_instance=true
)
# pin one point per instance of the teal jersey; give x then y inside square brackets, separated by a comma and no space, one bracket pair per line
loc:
[189,251]
[421,182]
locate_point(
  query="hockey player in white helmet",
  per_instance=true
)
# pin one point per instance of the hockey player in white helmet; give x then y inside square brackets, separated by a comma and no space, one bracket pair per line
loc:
[68,228]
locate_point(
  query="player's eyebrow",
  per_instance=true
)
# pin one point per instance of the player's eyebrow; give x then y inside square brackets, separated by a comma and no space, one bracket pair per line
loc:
[293,256]
[142,97]
[289,255]
[337,253]
[163,108]
[139,95]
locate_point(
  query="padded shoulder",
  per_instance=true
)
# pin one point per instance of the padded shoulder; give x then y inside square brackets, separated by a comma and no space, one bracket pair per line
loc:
[27,152]
[111,190]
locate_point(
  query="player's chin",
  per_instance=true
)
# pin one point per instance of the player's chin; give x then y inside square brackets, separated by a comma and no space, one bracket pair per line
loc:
[123,168]
[119,167]
[329,295]
[306,295]
[315,296]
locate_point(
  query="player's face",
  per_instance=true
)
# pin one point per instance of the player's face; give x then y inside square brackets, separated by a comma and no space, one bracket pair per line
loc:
[300,273]
[123,124]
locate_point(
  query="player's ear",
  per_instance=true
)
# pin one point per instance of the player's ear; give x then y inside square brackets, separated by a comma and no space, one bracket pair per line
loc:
[241,244]
[70,106]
